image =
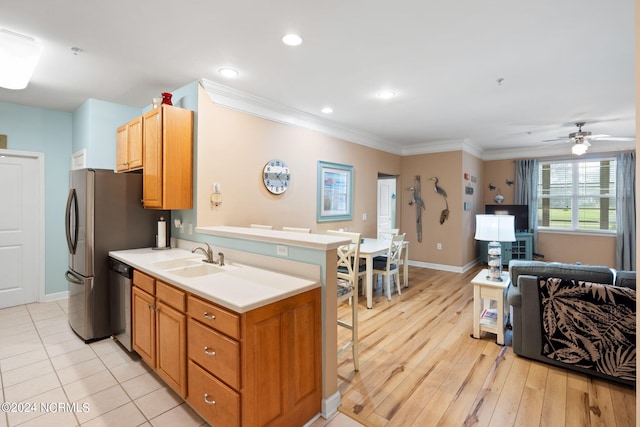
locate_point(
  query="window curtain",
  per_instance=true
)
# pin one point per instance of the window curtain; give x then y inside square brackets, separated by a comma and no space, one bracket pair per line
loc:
[527,192]
[626,211]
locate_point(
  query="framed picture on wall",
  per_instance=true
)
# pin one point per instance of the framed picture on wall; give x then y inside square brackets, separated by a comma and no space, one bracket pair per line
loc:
[335,192]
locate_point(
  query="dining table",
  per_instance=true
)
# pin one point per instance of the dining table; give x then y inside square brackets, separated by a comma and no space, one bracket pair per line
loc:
[371,248]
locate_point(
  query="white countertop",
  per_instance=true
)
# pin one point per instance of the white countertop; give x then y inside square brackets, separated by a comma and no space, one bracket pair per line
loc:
[312,241]
[240,288]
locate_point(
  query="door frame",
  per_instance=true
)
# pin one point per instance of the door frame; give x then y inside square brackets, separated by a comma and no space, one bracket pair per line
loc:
[395,178]
[39,255]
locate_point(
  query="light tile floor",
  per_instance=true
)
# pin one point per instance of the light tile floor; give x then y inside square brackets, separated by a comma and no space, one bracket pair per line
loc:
[50,377]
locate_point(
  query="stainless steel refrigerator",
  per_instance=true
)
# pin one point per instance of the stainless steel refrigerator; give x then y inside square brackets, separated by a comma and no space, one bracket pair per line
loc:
[104,213]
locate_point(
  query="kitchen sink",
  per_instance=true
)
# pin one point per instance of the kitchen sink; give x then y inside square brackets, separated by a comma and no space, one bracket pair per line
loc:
[197,270]
[175,263]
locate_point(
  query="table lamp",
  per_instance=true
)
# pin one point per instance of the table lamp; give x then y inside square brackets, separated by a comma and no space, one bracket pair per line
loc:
[495,229]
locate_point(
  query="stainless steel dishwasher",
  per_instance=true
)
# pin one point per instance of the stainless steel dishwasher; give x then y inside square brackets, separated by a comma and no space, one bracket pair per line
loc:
[120,275]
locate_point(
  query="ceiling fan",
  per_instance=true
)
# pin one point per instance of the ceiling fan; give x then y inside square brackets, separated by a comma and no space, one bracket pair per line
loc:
[581,139]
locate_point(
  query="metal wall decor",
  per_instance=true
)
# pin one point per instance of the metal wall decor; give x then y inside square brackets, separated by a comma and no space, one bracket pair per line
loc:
[445,212]
[417,200]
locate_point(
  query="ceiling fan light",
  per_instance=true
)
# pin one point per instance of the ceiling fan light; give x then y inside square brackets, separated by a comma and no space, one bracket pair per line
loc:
[579,149]
[19,55]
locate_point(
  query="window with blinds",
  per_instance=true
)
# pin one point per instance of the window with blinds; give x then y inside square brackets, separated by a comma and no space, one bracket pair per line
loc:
[577,195]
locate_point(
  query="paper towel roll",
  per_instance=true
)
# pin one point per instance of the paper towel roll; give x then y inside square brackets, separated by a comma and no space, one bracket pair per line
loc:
[162,233]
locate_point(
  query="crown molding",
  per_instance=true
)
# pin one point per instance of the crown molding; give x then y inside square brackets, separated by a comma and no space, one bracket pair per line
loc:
[443,146]
[558,150]
[261,107]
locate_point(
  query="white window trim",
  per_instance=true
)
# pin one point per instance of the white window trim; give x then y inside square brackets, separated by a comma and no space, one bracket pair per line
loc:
[574,197]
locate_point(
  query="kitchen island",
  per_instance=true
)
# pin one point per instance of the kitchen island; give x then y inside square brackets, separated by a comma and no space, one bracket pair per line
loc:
[241,344]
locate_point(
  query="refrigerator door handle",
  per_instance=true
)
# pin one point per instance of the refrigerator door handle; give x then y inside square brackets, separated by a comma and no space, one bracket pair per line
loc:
[73,278]
[72,203]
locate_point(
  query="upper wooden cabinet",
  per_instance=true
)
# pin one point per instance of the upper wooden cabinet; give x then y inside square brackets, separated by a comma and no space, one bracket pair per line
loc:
[160,143]
[129,146]
[167,181]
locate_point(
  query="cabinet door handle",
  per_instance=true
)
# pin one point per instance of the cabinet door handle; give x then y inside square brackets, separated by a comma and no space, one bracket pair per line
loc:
[207,401]
[209,316]
[149,306]
[209,352]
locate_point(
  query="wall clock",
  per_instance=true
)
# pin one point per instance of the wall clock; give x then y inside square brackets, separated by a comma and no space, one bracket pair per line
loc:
[276,176]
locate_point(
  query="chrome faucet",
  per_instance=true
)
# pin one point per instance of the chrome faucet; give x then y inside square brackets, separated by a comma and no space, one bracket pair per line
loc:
[209,254]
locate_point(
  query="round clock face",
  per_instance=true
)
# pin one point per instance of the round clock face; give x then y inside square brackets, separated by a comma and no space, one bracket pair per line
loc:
[276,176]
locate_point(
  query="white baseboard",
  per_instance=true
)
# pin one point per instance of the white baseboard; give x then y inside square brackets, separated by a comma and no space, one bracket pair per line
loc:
[444,267]
[55,297]
[330,405]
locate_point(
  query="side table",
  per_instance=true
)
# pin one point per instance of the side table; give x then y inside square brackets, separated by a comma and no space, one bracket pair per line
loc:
[485,290]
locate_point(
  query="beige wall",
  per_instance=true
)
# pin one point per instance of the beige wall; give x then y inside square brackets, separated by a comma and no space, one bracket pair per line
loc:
[456,234]
[233,148]
[571,248]
[474,167]
[497,172]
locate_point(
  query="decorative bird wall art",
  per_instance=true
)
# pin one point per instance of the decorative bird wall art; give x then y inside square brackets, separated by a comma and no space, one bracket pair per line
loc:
[417,200]
[445,212]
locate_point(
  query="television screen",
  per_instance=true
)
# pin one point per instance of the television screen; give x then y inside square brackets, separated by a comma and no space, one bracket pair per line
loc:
[521,213]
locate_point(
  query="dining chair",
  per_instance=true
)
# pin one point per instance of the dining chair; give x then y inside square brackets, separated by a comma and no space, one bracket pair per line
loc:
[387,233]
[262,227]
[297,230]
[348,288]
[389,265]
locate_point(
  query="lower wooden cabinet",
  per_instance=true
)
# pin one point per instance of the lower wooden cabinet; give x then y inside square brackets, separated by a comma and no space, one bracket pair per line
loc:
[270,357]
[159,328]
[216,402]
[249,369]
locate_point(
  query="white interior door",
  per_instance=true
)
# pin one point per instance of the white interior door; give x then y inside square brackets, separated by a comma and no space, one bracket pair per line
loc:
[386,202]
[21,261]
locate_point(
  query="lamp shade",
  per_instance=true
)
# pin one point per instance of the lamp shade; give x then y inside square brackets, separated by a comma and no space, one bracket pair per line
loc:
[495,228]
[18,55]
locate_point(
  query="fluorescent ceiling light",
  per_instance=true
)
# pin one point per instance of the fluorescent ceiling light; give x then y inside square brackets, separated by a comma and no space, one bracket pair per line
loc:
[386,94]
[327,110]
[228,72]
[19,55]
[292,40]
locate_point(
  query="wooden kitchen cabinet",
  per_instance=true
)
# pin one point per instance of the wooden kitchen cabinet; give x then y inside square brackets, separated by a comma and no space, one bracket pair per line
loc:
[268,360]
[129,146]
[168,158]
[159,329]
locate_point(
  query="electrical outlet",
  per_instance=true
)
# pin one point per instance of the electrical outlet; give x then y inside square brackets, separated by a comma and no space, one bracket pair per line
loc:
[282,250]
[439,246]
[189,228]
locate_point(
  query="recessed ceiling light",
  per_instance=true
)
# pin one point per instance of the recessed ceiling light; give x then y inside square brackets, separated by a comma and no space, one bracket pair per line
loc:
[228,72]
[386,94]
[327,110]
[292,40]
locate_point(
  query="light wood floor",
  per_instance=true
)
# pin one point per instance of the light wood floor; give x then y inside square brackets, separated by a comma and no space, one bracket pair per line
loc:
[420,367]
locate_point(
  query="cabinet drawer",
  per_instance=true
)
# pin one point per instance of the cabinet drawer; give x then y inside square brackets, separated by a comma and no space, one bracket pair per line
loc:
[219,404]
[216,317]
[144,282]
[215,352]
[171,296]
